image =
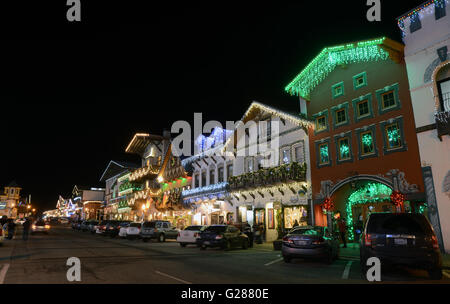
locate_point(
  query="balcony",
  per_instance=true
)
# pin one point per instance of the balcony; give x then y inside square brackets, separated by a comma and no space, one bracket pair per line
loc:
[294,172]
[443,123]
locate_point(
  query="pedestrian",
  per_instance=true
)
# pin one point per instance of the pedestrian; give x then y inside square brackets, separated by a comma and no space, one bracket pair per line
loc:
[295,224]
[11,229]
[248,231]
[343,231]
[26,229]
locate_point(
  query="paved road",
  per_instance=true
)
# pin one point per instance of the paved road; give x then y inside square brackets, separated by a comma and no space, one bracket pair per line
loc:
[42,259]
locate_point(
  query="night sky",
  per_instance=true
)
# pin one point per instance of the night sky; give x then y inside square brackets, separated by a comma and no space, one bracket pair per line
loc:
[73,95]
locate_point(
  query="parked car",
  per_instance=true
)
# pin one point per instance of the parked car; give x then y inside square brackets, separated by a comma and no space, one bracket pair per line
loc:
[310,242]
[113,227]
[100,228]
[222,236]
[76,225]
[84,226]
[39,226]
[92,226]
[131,231]
[401,239]
[64,221]
[189,235]
[160,230]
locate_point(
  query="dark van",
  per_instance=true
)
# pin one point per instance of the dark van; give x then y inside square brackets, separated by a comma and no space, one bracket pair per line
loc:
[401,239]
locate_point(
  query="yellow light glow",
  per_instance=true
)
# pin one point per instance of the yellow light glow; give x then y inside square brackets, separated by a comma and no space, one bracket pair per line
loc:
[134,138]
[160,179]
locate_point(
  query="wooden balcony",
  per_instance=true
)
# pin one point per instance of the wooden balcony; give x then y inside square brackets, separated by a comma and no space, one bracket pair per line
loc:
[443,123]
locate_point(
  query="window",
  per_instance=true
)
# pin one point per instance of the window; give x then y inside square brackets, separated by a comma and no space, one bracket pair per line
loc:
[388,100]
[393,136]
[415,23]
[285,156]
[249,164]
[197,180]
[203,178]
[221,174]
[337,90]
[362,108]
[229,170]
[439,11]
[212,176]
[367,145]
[321,123]
[360,81]
[344,149]
[341,117]
[324,157]
[444,94]
[300,153]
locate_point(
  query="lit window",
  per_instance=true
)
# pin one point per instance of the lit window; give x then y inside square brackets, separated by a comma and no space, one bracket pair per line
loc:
[367,146]
[363,108]
[388,100]
[321,123]
[324,157]
[344,149]
[341,117]
[393,136]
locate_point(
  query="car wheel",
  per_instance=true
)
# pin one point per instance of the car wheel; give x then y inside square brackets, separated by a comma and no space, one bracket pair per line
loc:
[182,244]
[435,274]
[162,238]
[287,259]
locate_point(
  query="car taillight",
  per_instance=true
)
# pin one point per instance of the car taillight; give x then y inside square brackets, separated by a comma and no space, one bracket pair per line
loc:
[319,241]
[435,242]
[34,226]
[368,238]
[288,240]
[219,237]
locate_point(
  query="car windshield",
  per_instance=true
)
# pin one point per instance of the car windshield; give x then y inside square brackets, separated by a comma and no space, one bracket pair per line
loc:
[194,228]
[398,223]
[137,225]
[307,231]
[149,225]
[216,229]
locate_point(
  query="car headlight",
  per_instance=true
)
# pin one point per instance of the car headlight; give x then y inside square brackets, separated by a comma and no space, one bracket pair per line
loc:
[47,226]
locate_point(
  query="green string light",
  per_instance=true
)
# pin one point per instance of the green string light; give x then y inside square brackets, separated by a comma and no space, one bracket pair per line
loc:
[370,193]
[345,150]
[324,156]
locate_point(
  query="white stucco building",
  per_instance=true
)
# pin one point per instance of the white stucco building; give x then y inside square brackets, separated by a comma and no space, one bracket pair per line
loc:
[426,32]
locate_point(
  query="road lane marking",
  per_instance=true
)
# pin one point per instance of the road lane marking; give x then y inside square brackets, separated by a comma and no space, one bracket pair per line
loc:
[347,270]
[445,273]
[273,262]
[172,277]
[3,273]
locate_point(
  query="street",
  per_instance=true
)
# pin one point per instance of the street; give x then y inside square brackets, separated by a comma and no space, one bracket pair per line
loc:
[104,260]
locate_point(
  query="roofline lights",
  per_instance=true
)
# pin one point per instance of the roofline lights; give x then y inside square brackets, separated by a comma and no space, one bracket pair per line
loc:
[134,138]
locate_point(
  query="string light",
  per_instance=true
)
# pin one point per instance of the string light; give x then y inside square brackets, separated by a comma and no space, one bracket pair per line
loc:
[327,60]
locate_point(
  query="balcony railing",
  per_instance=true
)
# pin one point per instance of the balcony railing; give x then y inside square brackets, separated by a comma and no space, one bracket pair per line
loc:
[443,123]
[294,172]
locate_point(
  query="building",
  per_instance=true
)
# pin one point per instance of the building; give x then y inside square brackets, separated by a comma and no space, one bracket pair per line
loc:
[208,195]
[10,200]
[65,208]
[364,150]
[426,34]
[89,202]
[116,188]
[271,182]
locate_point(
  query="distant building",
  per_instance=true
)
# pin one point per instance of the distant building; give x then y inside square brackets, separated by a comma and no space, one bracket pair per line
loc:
[10,200]
[89,201]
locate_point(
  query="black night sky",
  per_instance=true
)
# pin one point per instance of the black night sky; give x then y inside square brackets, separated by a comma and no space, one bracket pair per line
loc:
[73,95]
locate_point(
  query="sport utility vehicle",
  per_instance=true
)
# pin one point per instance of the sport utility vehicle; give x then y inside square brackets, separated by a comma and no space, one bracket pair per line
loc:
[160,230]
[401,239]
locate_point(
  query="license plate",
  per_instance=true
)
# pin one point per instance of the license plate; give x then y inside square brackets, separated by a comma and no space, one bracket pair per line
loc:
[301,243]
[206,243]
[401,242]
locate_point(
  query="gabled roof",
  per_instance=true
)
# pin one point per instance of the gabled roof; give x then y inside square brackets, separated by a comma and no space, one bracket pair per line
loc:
[140,142]
[115,167]
[13,184]
[331,57]
[256,108]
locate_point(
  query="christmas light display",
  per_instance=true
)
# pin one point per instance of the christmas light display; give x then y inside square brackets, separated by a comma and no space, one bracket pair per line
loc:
[330,58]
[328,204]
[370,193]
[324,154]
[397,198]
[215,188]
[393,136]
[345,150]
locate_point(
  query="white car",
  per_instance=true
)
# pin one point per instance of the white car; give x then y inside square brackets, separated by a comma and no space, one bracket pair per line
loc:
[189,235]
[132,231]
[64,221]
[40,226]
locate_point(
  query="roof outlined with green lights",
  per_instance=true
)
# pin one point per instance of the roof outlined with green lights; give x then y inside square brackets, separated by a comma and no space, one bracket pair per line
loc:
[331,57]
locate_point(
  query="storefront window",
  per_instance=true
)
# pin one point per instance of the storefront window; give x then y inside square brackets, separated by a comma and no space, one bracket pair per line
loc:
[271,219]
[259,217]
[293,214]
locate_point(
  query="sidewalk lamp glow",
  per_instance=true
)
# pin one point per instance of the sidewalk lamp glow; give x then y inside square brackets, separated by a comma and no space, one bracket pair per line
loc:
[28,207]
[34,210]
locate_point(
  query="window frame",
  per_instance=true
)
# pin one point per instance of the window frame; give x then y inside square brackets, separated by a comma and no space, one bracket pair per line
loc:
[299,144]
[380,93]
[333,89]
[319,144]
[359,133]
[356,77]
[221,177]
[282,149]
[342,107]
[339,156]
[442,10]
[415,18]
[356,102]
[316,117]
[383,126]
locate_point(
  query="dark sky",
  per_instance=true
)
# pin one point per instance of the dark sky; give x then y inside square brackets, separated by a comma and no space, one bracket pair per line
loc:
[73,95]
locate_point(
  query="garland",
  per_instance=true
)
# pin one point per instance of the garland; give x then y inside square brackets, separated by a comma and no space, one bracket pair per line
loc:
[397,198]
